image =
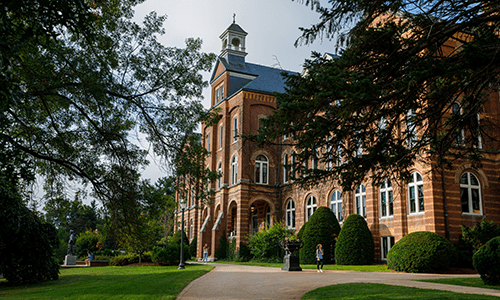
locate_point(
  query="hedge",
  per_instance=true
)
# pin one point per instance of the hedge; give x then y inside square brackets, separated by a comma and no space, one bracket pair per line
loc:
[355,244]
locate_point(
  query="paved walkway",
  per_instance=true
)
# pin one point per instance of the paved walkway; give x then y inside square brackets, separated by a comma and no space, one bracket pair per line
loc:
[249,282]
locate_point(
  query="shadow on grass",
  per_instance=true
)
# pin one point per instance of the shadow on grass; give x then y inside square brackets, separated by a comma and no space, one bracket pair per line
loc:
[111,283]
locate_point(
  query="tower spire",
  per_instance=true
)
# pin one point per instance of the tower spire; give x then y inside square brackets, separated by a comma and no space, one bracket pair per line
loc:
[234,18]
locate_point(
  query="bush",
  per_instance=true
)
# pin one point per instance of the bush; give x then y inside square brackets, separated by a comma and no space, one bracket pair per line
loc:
[322,228]
[265,244]
[221,251]
[472,239]
[168,255]
[176,238]
[301,231]
[87,241]
[244,253]
[421,252]
[129,258]
[355,244]
[487,261]
[192,247]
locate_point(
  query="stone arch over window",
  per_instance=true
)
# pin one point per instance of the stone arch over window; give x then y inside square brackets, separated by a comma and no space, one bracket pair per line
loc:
[470,194]
[258,209]
[311,206]
[467,167]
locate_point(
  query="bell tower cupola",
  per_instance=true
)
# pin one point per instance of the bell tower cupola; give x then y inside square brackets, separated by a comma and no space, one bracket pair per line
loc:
[233,43]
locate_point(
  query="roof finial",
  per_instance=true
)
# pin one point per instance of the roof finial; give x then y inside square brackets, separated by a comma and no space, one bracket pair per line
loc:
[234,18]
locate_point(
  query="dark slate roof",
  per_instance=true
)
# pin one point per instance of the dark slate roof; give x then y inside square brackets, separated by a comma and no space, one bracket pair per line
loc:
[235,27]
[268,79]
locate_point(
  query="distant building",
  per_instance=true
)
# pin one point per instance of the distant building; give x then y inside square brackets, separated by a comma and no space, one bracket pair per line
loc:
[255,189]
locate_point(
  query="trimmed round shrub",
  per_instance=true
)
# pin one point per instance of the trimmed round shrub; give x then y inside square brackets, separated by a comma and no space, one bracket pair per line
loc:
[487,261]
[355,244]
[322,228]
[421,252]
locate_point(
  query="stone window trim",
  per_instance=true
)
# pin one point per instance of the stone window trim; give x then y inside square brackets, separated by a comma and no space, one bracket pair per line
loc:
[415,194]
[261,169]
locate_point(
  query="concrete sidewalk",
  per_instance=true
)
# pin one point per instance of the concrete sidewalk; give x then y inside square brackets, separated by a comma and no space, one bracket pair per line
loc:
[250,282]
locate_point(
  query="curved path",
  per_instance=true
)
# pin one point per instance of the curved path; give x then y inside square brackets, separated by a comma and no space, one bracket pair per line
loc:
[250,282]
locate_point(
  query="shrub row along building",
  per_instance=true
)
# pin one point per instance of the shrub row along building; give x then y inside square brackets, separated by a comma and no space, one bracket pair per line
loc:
[255,188]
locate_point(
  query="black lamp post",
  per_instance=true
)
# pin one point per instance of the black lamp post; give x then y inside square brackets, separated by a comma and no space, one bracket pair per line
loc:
[181,264]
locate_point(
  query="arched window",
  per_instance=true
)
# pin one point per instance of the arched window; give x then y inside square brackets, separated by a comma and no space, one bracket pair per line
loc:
[261,167]
[191,230]
[219,180]
[234,170]
[386,199]
[470,194]
[311,207]
[290,214]
[285,168]
[336,204]
[416,193]
[360,197]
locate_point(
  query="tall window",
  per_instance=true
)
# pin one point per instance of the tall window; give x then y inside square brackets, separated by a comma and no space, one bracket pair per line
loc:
[192,196]
[477,142]
[222,92]
[315,158]
[358,143]
[416,193]
[268,217]
[360,198]
[285,168]
[235,129]
[217,96]
[387,243]
[290,214]
[411,128]
[386,201]
[292,165]
[457,111]
[470,194]
[336,204]
[234,170]
[219,180]
[208,142]
[311,207]
[221,136]
[191,230]
[261,168]
[339,154]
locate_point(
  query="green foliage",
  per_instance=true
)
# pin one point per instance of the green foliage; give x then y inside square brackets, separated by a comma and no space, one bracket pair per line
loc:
[265,244]
[168,255]
[355,244]
[223,249]
[143,236]
[87,241]
[129,258]
[244,253]
[487,261]
[480,233]
[192,247]
[421,252]
[301,231]
[176,238]
[26,243]
[322,228]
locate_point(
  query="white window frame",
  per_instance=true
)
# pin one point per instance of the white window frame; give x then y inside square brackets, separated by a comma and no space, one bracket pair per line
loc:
[311,206]
[418,187]
[261,169]
[360,200]
[389,242]
[469,187]
[290,214]
[336,205]
[386,199]
[234,170]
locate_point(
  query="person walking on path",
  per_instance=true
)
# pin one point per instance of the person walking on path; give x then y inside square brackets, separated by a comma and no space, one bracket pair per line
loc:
[319,257]
[205,254]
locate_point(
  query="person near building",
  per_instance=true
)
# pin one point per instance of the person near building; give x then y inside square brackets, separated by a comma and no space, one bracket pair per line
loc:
[319,257]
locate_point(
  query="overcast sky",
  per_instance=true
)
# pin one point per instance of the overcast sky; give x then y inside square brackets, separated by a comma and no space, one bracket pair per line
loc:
[272,27]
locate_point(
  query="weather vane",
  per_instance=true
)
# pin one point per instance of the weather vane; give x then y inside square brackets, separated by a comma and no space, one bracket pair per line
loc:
[234,18]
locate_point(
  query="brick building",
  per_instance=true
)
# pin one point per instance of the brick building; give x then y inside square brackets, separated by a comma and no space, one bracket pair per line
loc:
[255,190]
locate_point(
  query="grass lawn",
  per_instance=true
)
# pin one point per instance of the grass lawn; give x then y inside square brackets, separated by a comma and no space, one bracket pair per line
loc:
[110,283]
[368,268]
[474,282]
[383,291]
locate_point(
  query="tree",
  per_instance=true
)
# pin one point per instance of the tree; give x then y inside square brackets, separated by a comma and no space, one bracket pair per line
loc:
[322,228]
[396,94]
[355,244]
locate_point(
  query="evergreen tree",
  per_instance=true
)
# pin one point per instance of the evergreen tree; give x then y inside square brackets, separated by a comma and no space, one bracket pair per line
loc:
[355,244]
[322,228]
